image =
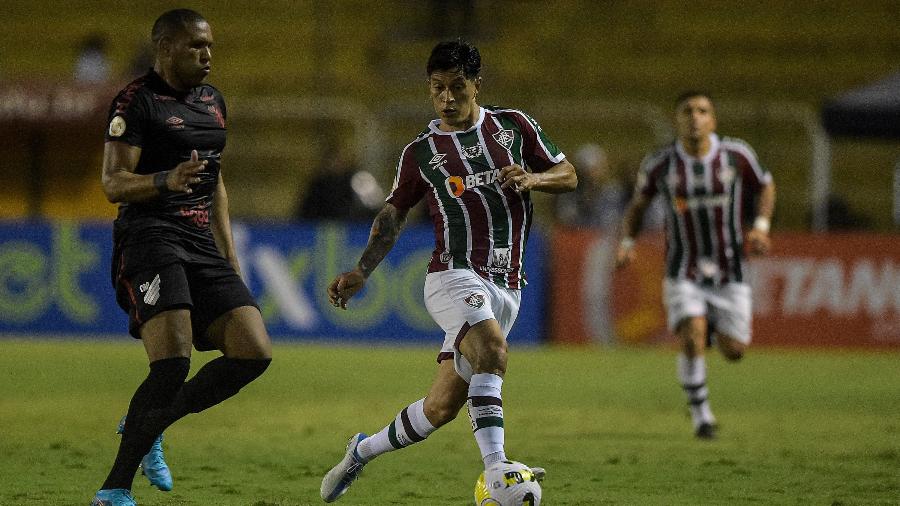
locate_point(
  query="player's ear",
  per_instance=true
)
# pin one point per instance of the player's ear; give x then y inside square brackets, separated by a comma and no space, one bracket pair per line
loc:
[477,83]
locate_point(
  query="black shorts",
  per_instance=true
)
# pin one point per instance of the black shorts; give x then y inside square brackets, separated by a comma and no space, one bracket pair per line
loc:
[152,278]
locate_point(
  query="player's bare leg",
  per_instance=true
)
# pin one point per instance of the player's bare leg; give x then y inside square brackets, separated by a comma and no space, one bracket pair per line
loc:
[731,348]
[692,374]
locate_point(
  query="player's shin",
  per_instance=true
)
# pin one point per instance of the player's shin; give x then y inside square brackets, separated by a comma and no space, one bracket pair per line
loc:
[166,377]
[410,426]
[692,375]
[485,409]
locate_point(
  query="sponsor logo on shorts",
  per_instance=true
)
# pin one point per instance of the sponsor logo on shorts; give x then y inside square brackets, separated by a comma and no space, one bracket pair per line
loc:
[475,300]
[151,291]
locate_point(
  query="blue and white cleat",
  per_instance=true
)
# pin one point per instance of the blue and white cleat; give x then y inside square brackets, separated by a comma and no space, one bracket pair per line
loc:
[341,476]
[153,465]
[113,497]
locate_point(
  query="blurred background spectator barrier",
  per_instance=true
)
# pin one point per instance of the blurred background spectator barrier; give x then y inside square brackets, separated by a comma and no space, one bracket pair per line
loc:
[814,290]
[54,280]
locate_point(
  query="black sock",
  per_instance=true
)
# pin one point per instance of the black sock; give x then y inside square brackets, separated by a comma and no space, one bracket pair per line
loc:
[214,382]
[158,390]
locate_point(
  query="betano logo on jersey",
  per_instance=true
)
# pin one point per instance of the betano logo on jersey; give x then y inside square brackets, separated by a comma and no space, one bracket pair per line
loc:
[456,185]
[683,204]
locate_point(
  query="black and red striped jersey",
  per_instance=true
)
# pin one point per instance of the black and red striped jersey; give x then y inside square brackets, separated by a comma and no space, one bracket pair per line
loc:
[167,125]
[477,224]
[703,200]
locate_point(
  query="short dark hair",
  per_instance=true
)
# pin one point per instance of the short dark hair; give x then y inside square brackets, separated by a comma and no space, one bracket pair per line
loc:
[687,94]
[457,55]
[174,21]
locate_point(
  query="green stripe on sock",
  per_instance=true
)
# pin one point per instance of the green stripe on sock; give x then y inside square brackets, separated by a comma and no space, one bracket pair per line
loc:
[488,421]
[392,436]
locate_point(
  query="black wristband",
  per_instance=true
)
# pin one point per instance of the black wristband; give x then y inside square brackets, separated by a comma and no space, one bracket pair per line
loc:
[159,182]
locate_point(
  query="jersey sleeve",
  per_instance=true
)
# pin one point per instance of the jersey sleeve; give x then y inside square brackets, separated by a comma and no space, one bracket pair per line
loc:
[648,173]
[538,151]
[753,174]
[409,186]
[127,118]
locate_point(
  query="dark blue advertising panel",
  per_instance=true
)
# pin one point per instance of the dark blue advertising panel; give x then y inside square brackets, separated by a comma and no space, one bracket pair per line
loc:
[54,279]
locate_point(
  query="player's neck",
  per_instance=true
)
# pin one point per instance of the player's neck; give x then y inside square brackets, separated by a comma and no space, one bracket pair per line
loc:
[698,148]
[169,77]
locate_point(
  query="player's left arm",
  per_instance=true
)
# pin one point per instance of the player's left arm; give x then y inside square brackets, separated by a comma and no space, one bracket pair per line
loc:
[385,231]
[758,237]
[559,178]
[220,221]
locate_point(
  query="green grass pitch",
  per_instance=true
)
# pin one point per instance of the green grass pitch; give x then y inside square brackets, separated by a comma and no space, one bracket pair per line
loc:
[797,427]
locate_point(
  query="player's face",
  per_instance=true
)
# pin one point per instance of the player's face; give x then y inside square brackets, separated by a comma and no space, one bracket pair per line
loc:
[453,97]
[695,119]
[191,54]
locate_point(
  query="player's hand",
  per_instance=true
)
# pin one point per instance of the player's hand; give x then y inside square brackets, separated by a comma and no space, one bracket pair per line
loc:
[185,174]
[517,178]
[345,286]
[760,244]
[625,254]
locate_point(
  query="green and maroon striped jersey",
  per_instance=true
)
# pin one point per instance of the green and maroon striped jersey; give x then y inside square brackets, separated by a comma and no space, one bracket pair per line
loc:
[703,197]
[477,225]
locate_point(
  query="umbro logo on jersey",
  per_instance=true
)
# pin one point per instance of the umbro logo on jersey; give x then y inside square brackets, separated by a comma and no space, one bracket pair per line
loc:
[174,120]
[151,291]
[437,161]
[505,138]
[475,300]
[726,175]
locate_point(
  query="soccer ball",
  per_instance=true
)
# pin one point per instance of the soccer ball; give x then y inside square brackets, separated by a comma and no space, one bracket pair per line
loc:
[507,483]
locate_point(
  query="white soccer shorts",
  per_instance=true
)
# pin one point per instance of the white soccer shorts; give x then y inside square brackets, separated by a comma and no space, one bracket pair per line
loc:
[457,299]
[727,307]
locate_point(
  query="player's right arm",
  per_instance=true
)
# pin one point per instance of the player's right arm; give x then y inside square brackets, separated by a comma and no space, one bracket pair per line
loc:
[631,224]
[121,184]
[385,231]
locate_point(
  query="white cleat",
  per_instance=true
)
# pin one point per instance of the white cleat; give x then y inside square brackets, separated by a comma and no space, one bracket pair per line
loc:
[341,476]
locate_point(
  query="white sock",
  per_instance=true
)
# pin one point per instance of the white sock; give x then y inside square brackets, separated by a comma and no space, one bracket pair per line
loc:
[486,413]
[692,374]
[409,427]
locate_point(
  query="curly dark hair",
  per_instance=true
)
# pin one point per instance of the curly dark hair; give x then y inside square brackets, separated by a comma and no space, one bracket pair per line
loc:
[455,55]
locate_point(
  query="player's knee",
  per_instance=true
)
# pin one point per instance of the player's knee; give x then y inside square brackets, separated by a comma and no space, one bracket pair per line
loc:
[492,356]
[169,373]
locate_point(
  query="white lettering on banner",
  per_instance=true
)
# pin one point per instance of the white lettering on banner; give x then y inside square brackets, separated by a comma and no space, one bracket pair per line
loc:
[865,286]
[275,272]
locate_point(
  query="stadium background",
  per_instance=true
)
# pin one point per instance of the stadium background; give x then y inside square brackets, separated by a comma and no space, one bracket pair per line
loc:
[298,75]
[803,422]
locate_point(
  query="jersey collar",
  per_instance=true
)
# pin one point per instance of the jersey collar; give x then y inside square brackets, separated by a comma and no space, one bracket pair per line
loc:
[707,158]
[435,125]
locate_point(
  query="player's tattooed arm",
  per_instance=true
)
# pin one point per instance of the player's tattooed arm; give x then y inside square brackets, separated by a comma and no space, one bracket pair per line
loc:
[385,231]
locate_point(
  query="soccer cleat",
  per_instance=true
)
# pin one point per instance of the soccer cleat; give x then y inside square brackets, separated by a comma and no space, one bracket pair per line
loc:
[539,473]
[113,497]
[341,476]
[153,465]
[705,431]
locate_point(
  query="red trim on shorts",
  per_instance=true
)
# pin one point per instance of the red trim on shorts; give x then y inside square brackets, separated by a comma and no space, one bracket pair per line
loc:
[127,285]
[444,355]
